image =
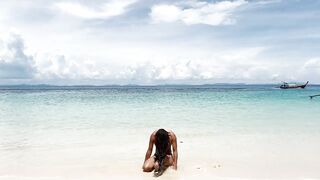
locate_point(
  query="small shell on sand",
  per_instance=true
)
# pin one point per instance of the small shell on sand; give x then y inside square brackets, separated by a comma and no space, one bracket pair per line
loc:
[217,166]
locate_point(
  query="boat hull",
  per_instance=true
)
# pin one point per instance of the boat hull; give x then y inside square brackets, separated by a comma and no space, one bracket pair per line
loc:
[287,86]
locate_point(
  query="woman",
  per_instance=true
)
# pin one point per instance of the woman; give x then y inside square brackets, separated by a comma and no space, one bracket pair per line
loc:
[163,158]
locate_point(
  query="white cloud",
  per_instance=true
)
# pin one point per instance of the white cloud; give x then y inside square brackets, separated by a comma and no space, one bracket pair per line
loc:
[231,66]
[310,70]
[264,2]
[165,13]
[237,66]
[14,63]
[105,11]
[200,71]
[60,67]
[215,13]
[313,63]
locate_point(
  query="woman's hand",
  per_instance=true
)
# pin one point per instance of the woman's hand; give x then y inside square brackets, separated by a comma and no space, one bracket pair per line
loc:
[175,167]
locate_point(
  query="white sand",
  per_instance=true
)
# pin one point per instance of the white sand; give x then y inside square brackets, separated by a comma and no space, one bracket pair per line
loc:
[229,157]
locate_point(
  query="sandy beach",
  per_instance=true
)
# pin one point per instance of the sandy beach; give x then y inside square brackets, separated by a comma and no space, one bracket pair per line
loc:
[233,157]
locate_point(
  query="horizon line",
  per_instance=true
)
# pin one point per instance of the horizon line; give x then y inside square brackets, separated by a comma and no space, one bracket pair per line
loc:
[124,85]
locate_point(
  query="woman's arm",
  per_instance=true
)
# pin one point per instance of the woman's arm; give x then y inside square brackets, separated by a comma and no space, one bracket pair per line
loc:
[150,147]
[175,151]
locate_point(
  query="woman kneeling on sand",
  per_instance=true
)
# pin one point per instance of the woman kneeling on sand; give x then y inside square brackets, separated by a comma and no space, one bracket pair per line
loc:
[163,157]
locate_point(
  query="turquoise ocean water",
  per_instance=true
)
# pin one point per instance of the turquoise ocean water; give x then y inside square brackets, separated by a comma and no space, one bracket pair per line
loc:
[49,131]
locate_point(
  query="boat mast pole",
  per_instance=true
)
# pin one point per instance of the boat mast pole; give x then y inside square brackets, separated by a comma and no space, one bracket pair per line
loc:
[314,96]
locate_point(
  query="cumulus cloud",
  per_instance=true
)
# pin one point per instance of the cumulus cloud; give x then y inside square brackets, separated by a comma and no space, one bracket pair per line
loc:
[54,66]
[240,65]
[263,2]
[200,71]
[311,70]
[210,13]
[14,63]
[312,64]
[105,11]
[229,66]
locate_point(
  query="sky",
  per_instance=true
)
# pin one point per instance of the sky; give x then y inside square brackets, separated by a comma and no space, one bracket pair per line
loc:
[148,42]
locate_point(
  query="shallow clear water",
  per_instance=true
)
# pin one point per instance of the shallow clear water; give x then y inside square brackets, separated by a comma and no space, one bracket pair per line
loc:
[56,131]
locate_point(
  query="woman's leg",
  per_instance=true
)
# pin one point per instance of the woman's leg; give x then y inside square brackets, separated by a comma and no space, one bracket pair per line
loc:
[168,161]
[148,166]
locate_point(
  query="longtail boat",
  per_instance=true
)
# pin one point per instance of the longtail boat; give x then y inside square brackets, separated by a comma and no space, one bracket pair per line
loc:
[286,85]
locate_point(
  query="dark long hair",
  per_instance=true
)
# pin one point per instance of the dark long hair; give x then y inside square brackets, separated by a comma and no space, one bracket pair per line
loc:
[162,145]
